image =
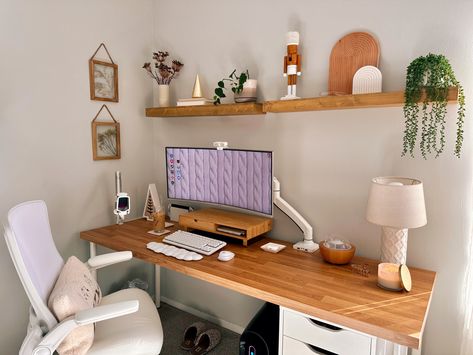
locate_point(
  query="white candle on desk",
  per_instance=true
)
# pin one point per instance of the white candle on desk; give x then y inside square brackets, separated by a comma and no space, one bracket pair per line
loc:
[389,276]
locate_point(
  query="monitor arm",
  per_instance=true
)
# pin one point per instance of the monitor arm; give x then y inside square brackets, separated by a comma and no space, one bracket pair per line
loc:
[307,244]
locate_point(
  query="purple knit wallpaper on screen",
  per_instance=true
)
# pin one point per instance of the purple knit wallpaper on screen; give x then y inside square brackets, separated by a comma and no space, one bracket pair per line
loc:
[239,178]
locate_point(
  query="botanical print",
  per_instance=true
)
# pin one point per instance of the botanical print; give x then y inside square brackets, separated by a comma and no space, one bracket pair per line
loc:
[104,81]
[106,141]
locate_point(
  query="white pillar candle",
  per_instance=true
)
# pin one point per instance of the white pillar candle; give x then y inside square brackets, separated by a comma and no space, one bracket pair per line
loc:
[389,276]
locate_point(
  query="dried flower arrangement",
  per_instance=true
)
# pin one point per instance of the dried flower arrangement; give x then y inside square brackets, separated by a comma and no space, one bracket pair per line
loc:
[163,73]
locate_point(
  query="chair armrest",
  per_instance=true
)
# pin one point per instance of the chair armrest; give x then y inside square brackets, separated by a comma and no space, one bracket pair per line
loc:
[50,342]
[103,260]
[100,313]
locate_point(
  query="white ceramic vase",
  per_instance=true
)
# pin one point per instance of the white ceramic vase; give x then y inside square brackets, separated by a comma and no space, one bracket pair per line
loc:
[248,94]
[163,96]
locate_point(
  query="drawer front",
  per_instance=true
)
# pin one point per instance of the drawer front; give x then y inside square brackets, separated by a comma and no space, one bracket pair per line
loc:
[189,222]
[295,347]
[334,339]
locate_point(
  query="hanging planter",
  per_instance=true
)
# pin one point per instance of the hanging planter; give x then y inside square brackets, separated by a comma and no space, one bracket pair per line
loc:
[430,76]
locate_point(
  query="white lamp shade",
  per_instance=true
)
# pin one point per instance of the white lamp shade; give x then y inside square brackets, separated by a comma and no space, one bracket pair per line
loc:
[396,202]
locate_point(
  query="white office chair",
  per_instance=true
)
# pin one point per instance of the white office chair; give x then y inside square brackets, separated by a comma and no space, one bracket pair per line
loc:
[127,320]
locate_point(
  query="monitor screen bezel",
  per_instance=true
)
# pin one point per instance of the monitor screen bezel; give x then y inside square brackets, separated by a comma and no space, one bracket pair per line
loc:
[222,204]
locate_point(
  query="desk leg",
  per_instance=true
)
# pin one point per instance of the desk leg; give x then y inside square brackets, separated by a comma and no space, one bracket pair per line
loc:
[93,252]
[157,285]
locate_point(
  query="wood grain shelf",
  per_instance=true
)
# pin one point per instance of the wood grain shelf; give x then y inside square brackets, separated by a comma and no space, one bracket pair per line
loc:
[250,108]
[382,99]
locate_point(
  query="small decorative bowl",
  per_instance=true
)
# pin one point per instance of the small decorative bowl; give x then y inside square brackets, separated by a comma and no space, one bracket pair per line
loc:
[336,256]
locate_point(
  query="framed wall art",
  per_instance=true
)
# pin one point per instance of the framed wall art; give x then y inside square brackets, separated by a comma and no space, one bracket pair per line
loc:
[103,78]
[105,138]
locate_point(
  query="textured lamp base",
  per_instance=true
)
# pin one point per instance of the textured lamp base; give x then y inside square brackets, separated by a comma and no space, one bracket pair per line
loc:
[394,245]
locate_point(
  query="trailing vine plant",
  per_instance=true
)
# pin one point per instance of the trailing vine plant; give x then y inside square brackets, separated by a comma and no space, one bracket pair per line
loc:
[427,82]
[236,84]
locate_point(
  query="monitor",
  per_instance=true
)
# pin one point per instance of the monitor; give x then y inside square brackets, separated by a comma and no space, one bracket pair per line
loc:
[231,177]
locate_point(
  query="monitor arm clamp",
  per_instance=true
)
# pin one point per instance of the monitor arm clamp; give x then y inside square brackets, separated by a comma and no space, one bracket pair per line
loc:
[307,244]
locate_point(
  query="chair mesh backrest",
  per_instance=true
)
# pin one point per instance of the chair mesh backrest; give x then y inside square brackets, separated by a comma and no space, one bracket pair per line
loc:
[29,223]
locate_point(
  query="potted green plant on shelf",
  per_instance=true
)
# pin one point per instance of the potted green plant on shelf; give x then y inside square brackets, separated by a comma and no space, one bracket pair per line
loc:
[427,84]
[243,88]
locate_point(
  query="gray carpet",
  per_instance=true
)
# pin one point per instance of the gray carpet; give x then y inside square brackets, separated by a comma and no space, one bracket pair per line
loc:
[175,322]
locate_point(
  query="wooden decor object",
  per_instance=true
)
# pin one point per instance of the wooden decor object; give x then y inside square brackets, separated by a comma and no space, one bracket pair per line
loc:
[349,54]
[336,256]
[292,65]
[212,219]
[105,138]
[152,203]
[103,77]
[197,90]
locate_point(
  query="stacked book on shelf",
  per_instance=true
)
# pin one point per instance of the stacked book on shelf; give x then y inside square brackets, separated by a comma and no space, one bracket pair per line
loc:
[195,101]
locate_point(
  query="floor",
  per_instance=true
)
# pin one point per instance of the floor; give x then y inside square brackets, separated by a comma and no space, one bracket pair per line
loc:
[175,322]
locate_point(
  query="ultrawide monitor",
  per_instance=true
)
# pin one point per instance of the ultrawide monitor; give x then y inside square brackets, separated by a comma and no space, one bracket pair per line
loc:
[231,177]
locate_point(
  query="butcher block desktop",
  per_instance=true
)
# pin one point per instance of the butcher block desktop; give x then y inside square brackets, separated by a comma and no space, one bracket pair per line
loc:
[296,280]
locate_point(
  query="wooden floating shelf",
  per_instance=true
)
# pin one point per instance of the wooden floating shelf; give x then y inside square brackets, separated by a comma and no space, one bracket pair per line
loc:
[249,108]
[382,99]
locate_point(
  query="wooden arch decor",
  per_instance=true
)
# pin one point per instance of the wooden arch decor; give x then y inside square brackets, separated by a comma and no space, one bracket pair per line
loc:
[350,53]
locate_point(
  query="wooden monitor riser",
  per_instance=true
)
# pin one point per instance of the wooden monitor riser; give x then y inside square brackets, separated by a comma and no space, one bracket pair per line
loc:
[210,219]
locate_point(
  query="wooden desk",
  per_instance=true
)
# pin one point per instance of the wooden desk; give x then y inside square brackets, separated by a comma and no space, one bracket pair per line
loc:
[296,280]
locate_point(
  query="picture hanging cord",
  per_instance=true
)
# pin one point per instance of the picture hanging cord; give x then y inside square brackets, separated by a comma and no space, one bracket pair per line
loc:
[106,50]
[98,113]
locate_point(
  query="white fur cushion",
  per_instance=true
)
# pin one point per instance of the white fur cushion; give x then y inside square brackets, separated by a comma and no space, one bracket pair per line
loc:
[75,290]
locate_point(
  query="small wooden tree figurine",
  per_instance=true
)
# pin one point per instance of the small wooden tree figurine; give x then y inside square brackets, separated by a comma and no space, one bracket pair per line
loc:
[152,202]
[292,65]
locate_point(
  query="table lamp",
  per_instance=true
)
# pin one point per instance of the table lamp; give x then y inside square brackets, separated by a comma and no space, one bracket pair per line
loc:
[396,204]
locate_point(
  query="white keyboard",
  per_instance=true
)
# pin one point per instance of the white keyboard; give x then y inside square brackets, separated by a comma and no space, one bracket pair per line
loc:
[195,242]
[169,250]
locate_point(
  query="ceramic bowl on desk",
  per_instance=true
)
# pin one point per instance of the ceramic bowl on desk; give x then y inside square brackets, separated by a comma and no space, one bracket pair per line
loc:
[337,252]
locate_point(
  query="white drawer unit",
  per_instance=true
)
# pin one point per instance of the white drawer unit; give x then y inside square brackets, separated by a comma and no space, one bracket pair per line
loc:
[312,336]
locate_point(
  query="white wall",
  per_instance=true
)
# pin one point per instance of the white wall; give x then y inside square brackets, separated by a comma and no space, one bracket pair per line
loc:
[45,135]
[325,160]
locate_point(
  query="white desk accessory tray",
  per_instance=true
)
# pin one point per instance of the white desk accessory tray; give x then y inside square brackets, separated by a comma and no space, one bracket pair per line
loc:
[273,247]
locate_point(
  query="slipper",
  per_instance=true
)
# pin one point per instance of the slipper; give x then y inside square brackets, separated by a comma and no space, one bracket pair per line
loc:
[190,335]
[206,342]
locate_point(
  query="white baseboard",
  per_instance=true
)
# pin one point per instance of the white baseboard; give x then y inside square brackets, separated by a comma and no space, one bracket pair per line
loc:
[223,323]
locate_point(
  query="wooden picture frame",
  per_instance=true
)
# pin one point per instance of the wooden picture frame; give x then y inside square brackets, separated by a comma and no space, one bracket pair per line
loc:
[103,78]
[106,140]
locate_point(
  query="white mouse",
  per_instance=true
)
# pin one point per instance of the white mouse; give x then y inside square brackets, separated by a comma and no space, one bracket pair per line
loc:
[225,255]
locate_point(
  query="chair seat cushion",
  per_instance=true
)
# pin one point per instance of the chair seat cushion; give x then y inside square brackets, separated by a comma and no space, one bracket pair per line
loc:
[138,333]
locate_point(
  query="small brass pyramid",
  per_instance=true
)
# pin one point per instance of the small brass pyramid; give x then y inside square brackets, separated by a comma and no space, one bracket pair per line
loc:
[197,91]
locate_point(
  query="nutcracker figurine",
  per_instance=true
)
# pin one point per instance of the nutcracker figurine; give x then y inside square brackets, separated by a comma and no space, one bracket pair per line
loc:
[292,65]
